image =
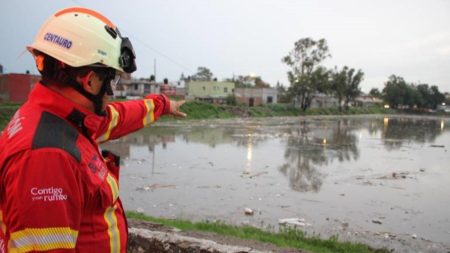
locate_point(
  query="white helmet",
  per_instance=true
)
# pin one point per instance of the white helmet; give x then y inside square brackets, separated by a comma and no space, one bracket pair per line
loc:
[82,37]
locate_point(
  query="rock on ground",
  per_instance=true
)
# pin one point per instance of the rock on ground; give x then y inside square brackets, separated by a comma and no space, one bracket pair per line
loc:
[150,237]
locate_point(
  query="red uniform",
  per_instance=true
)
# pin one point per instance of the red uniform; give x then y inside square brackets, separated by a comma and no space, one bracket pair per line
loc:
[58,192]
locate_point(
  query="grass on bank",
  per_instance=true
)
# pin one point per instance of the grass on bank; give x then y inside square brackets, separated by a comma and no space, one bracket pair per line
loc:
[285,238]
[202,110]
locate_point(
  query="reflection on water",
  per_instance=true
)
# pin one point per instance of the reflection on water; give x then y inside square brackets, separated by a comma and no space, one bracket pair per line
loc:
[309,144]
[397,131]
[349,169]
[248,168]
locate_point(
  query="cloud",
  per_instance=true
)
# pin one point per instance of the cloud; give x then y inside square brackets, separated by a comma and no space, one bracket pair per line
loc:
[444,51]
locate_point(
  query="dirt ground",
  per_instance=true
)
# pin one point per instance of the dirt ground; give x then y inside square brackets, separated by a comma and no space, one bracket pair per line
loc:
[255,246]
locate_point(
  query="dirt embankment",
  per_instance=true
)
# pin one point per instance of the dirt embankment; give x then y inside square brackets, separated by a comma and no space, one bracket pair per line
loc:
[150,237]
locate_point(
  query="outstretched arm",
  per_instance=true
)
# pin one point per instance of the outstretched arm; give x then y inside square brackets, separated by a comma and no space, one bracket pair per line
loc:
[126,117]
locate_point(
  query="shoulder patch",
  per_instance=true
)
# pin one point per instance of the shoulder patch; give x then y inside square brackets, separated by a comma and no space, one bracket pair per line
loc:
[53,131]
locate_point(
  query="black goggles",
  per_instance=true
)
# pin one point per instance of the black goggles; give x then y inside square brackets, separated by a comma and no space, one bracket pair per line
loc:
[110,79]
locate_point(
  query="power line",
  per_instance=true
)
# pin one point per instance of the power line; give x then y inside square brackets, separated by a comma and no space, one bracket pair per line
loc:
[162,54]
[145,45]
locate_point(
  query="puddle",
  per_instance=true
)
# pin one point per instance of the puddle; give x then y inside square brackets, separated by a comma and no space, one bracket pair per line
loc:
[382,181]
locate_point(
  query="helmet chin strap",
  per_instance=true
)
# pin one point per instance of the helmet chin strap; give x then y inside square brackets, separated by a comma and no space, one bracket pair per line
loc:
[97,100]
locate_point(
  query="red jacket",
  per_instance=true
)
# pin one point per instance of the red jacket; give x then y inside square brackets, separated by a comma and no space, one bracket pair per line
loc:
[58,193]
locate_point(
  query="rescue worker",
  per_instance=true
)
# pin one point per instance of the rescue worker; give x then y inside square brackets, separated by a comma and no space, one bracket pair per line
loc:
[58,191]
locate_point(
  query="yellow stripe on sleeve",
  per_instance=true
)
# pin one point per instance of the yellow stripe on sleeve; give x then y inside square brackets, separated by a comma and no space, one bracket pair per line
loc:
[112,124]
[149,116]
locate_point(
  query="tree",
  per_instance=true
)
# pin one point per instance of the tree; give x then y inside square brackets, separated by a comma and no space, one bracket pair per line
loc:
[259,83]
[345,85]
[397,92]
[394,91]
[338,85]
[203,74]
[424,91]
[353,90]
[375,92]
[436,97]
[306,75]
[447,98]
[431,97]
[412,96]
[283,95]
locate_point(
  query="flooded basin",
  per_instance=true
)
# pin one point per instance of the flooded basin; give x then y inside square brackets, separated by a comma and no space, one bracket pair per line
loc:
[379,180]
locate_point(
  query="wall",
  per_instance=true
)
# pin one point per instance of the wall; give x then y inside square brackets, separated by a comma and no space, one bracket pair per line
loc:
[245,95]
[259,95]
[200,89]
[269,93]
[16,87]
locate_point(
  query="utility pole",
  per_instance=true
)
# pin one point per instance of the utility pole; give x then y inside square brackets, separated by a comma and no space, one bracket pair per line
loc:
[154,68]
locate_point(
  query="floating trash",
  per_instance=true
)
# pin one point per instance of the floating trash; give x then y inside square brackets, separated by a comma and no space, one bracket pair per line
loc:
[377,221]
[294,221]
[248,211]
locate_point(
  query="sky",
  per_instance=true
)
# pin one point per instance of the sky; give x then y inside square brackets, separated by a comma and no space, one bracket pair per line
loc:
[410,39]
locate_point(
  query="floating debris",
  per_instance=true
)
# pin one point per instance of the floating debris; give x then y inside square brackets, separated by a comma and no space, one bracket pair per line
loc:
[254,175]
[153,187]
[344,225]
[248,211]
[259,174]
[377,221]
[395,175]
[294,221]
[209,187]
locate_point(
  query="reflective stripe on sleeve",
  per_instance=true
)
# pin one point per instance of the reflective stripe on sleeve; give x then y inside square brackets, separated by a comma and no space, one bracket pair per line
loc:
[112,124]
[149,116]
[41,239]
[113,229]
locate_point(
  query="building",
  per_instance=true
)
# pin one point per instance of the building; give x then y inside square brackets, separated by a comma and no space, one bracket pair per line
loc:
[319,100]
[256,96]
[16,87]
[136,88]
[167,89]
[209,91]
[181,92]
[367,101]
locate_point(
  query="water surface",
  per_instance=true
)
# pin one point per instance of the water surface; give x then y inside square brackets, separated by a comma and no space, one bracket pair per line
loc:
[380,180]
